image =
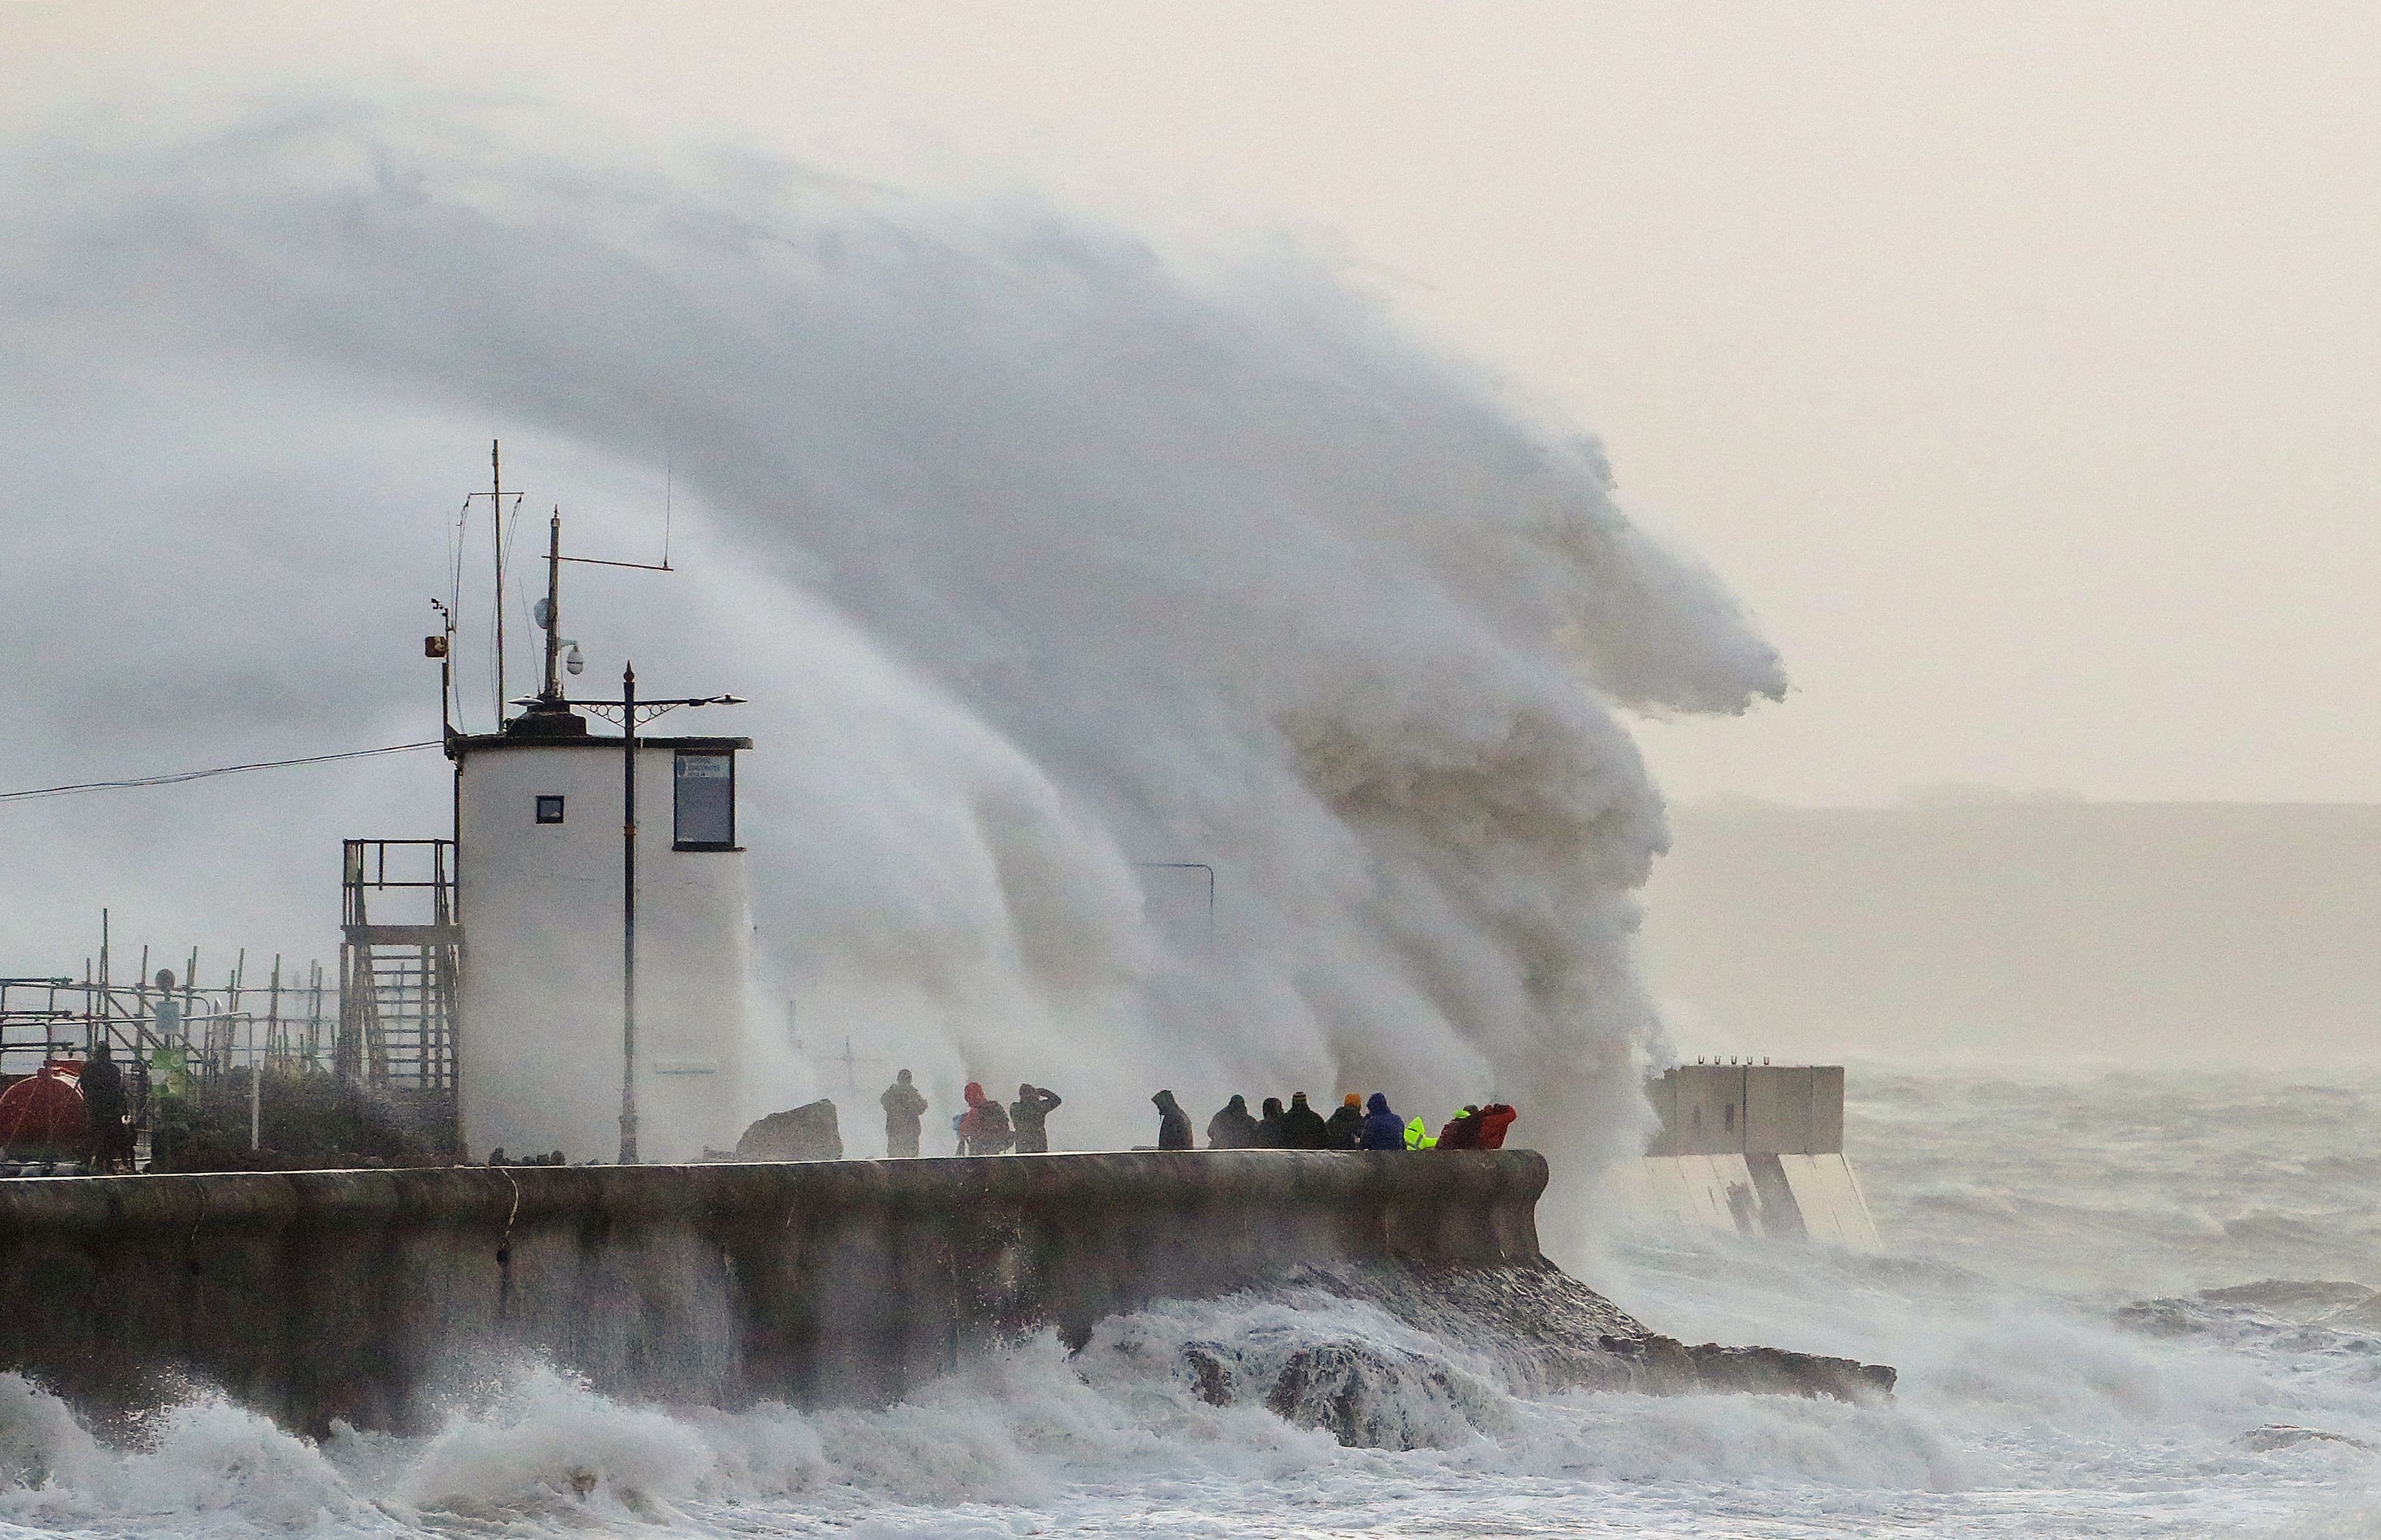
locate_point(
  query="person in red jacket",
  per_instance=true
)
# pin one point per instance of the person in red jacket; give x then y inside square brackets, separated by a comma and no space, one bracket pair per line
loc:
[984,1127]
[1495,1118]
[1462,1130]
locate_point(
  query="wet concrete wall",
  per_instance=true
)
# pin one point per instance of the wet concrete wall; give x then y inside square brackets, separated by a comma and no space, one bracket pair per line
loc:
[1752,1148]
[372,1296]
[1784,1197]
[1749,1109]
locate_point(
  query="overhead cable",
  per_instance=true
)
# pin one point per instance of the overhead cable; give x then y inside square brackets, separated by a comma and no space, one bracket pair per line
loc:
[219,770]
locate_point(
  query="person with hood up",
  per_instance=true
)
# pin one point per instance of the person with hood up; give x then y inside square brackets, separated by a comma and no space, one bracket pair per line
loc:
[1302,1128]
[1173,1123]
[1232,1128]
[1269,1126]
[1384,1130]
[103,1104]
[1417,1136]
[1347,1124]
[1462,1130]
[1495,1118]
[904,1105]
[984,1127]
[1031,1109]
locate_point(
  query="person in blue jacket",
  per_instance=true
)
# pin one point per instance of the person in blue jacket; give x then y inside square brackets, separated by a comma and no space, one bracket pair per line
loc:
[1384,1130]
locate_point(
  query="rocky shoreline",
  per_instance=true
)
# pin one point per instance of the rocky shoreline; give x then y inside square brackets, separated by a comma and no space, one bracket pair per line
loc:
[1543,1331]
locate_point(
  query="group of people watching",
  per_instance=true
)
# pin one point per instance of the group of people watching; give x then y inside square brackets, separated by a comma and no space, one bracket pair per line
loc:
[1353,1125]
[986,1127]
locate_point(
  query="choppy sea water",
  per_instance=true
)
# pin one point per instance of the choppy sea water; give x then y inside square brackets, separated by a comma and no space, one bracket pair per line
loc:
[2063,1373]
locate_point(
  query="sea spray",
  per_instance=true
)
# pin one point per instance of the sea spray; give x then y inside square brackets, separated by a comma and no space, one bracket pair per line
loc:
[1122,1435]
[1050,554]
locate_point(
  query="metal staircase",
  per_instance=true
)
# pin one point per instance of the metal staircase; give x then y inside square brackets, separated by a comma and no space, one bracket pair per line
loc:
[399,968]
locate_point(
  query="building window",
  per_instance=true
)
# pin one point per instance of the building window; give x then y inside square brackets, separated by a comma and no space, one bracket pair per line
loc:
[705,801]
[549,810]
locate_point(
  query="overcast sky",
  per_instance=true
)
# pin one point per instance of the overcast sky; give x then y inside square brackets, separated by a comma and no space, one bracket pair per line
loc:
[2017,365]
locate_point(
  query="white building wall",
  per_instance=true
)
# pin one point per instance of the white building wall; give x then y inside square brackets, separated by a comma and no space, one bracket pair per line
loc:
[541,1042]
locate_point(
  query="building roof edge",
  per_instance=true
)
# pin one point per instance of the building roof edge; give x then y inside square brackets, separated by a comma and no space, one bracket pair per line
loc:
[460,744]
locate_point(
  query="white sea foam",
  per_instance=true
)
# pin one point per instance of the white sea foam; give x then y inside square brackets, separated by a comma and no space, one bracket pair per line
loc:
[2021,1410]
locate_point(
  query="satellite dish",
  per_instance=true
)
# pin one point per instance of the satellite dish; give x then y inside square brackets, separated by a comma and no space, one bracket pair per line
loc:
[543,614]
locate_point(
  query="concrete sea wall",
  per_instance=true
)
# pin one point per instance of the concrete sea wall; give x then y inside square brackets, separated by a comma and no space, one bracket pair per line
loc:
[369,1295]
[1750,1149]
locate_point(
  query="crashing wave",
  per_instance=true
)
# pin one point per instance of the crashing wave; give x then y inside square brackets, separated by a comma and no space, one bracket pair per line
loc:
[1462,1338]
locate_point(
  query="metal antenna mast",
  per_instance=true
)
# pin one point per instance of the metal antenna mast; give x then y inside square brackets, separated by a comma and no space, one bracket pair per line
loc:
[496,537]
[496,496]
[553,606]
[632,714]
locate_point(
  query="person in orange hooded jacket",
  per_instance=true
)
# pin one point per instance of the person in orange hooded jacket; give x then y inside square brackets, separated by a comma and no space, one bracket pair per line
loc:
[984,1127]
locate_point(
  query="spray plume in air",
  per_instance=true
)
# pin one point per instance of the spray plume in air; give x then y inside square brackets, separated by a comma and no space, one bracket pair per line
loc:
[1047,554]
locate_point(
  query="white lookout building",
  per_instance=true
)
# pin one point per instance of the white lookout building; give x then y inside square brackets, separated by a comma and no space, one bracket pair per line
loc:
[511,987]
[579,985]
[540,900]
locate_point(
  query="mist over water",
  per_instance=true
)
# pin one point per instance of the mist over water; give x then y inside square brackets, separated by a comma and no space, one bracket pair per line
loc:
[1049,552]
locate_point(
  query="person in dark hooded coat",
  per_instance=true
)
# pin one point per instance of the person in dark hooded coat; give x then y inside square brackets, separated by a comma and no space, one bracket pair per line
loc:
[904,1106]
[1269,1126]
[103,1104]
[1173,1123]
[1302,1128]
[1232,1128]
[1032,1111]
[1347,1124]
[1384,1130]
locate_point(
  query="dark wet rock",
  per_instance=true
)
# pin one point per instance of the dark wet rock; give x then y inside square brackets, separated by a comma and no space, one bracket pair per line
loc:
[807,1132]
[1365,1391]
[2282,1436]
[1364,1395]
[1547,1332]
[1775,1372]
[1528,1331]
[1210,1380]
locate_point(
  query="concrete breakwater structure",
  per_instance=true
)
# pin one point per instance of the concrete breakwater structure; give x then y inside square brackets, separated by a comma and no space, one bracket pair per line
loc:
[381,1296]
[1752,1149]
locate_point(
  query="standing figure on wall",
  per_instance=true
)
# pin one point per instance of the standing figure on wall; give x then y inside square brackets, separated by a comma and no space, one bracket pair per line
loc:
[904,1106]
